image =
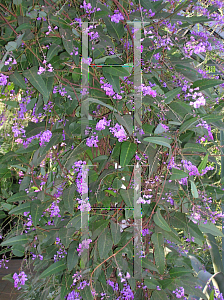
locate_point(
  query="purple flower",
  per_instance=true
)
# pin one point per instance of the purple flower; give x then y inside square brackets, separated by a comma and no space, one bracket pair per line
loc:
[179,292]
[45,137]
[83,245]
[19,279]
[102,123]
[41,70]
[3,79]
[119,132]
[92,141]
[116,18]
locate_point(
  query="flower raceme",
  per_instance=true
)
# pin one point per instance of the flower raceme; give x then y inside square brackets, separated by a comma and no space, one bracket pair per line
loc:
[19,279]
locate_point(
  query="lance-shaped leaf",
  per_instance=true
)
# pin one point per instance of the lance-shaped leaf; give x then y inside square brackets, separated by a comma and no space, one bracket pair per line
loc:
[104,244]
[203,163]
[67,39]
[126,121]
[115,231]
[20,209]
[18,79]
[37,81]
[65,234]
[158,219]
[206,83]
[116,30]
[188,124]
[179,271]
[53,51]
[157,239]
[18,197]
[86,293]
[68,198]
[171,94]
[209,227]
[194,190]
[18,250]
[128,196]
[178,174]
[113,80]
[147,264]
[72,257]
[53,269]
[116,71]
[159,295]
[16,240]
[159,141]
[127,152]
[37,209]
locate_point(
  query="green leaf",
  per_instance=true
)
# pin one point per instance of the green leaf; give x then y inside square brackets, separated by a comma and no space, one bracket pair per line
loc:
[68,198]
[2,215]
[171,94]
[101,103]
[127,152]
[18,79]
[126,121]
[151,283]
[104,244]
[158,219]
[18,250]
[116,71]
[67,39]
[194,190]
[113,80]
[86,293]
[115,231]
[190,147]
[65,234]
[159,141]
[209,227]
[116,30]
[16,240]
[37,81]
[206,83]
[75,222]
[159,295]
[179,271]
[20,209]
[177,174]
[188,124]
[98,227]
[53,269]
[157,239]
[53,51]
[128,196]
[72,257]
[147,264]
[37,208]
[203,163]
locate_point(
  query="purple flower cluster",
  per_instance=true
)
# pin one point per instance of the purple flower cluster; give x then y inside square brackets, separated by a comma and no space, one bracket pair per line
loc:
[92,141]
[107,87]
[208,127]
[54,209]
[147,90]
[179,293]
[19,279]
[45,137]
[88,8]
[60,253]
[3,79]
[102,123]
[61,91]
[119,132]
[116,17]
[84,205]
[83,245]
[42,70]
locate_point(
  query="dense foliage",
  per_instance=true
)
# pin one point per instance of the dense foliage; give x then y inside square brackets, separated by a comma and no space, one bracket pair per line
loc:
[110,121]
